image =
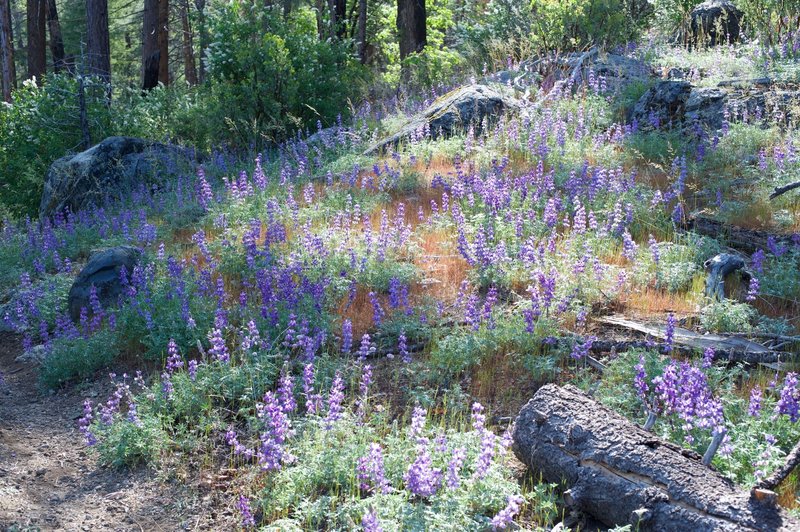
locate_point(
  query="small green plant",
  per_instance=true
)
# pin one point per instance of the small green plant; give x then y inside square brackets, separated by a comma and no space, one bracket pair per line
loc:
[728,316]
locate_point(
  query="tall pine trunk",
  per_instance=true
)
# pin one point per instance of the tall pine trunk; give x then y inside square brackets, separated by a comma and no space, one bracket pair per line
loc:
[37,38]
[189,67]
[200,5]
[9,71]
[155,50]
[411,25]
[361,36]
[98,47]
[56,40]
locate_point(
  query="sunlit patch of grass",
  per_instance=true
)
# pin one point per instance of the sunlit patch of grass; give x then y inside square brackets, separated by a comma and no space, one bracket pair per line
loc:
[443,268]
[648,302]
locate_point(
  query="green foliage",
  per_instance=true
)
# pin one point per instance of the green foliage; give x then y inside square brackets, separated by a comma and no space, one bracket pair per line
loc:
[41,125]
[127,443]
[728,316]
[77,358]
[271,77]
[577,24]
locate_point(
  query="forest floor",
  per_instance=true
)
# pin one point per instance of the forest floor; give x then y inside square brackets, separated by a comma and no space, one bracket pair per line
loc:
[50,480]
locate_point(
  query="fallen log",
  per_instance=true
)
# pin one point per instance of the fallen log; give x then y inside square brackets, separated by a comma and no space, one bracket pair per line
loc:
[730,348]
[735,236]
[779,475]
[621,474]
[779,191]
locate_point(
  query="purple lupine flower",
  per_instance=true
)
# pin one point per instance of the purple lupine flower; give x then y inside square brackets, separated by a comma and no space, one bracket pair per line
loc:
[669,332]
[478,417]
[402,348]
[277,429]
[418,424]
[286,392]
[654,249]
[312,399]
[581,350]
[506,516]
[371,474]
[421,478]
[754,408]
[238,449]
[486,454]
[377,310]
[708,357]
[363,389]
[640,380]
[366,349]
[753,289]
[454,467]
[370,521]
[218,348]
[347,336]
[788,403]
[174,360]
[335,398]
[248,521]
[166,385]
[85,422]
[629,247]
[757,260]
[193,369]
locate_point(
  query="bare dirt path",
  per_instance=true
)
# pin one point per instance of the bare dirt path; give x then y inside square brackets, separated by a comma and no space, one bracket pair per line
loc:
[50,481]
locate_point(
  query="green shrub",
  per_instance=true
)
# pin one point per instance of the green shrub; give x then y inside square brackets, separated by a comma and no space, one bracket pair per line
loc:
[728,316]
[270,77]
[69,359]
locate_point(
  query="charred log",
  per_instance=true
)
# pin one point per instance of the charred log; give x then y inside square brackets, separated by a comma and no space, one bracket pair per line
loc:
[621,474]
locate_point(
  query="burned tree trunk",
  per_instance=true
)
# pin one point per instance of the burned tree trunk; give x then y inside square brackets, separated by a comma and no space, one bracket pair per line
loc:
[9,73]
[155,53]
[718,268]
[621,474]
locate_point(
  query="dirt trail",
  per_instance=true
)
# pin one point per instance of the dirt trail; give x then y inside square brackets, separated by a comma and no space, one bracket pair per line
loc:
[50,481]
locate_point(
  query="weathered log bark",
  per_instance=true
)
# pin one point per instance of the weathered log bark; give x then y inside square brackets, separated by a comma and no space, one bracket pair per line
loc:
[719,267]
[731,348]
[779,191]
[621,474]
[780,474]
[734,236]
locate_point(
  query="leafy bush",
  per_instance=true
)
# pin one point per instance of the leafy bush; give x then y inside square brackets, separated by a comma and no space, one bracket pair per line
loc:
[728,316]
[270,77]
[77,358]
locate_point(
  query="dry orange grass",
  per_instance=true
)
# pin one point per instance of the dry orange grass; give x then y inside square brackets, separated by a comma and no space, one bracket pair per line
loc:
[359,312]
[442,267]
[651,302]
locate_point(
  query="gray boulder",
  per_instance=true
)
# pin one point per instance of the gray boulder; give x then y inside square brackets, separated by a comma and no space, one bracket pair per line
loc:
[662,105]
[706,106]
[476,105]
[108,170]
[715,22]
[102,271]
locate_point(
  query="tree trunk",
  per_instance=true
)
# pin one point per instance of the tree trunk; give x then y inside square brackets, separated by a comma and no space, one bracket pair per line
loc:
[287,8]
[320,5]
[340,23]
[98,48]
[200,5]
[189,68]
[56,40]
[361,36]
[37,38]
[155,51]
[411,25]
[621,474]
[9,72]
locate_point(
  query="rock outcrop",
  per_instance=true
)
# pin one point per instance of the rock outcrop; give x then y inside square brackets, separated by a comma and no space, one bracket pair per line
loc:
[715,22]
[103,272]
[108,170]
[476,105]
